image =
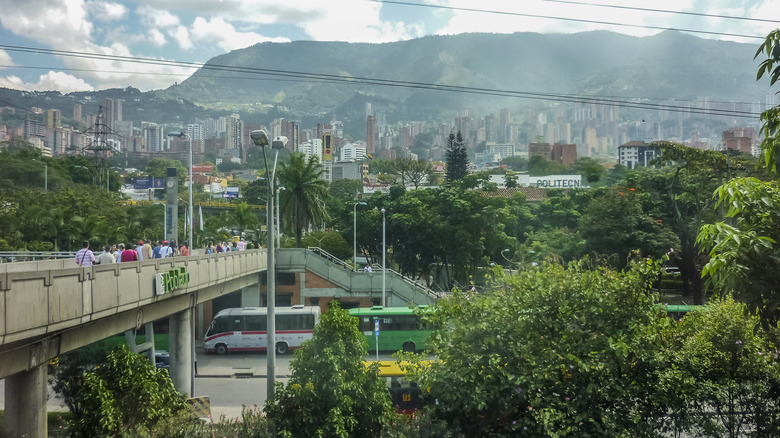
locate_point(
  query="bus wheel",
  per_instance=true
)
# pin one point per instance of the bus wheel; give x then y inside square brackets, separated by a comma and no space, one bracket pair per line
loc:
[282,348]
[220,349]
[408,347]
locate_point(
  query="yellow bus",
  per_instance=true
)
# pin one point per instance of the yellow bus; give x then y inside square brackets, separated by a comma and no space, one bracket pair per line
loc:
[405,396]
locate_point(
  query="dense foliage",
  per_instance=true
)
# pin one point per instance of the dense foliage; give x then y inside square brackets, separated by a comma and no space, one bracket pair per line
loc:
[331,393]
[582,351]
[125,396]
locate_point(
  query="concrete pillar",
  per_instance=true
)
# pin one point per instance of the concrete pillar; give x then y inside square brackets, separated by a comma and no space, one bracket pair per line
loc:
[180,340]
[250,296]
[25,403]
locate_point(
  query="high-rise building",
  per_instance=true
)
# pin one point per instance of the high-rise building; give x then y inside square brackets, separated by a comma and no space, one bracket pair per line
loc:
[153,135]
[565,154]
[53,119]
[77,112]
[740,139]
[504,119]
[370,135]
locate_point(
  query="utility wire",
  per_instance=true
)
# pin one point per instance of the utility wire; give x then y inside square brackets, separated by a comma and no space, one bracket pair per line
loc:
[357,80]
[577,20]
[255,78]
[665,11]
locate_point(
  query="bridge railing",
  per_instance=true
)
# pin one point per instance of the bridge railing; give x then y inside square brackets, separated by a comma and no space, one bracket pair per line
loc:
[421,288]
[38,298]
[28,256]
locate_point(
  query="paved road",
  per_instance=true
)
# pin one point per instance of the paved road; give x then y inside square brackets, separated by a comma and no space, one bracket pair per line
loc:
[231,381]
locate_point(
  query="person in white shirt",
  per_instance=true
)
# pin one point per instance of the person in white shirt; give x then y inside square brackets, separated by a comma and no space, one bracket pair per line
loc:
[139,249]
[166,250]
[106,257]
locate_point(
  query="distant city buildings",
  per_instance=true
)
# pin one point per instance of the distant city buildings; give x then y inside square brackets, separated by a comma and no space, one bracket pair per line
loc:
[637,153]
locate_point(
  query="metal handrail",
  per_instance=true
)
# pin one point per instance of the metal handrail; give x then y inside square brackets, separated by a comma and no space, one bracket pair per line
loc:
[27,256]
[416,285]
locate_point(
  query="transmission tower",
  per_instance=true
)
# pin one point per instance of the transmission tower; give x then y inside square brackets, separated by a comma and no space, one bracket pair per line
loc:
[101,143]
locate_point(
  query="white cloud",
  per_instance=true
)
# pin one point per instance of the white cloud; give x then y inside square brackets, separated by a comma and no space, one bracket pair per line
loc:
[52,80]
[182,37]
[6,60]
[159,18]
[156,37]
[106,11]
[53,23]
[357,21]
[62,82]
[222,34]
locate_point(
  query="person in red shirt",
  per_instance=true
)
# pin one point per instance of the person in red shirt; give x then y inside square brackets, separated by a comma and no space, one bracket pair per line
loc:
[184,251]
[129,255]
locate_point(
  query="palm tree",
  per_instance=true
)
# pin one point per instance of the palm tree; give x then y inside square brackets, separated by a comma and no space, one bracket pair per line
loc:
[244,217]
[305,191]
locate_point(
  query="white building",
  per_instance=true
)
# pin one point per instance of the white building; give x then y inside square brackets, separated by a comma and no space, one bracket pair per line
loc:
[352,152]
[637,153]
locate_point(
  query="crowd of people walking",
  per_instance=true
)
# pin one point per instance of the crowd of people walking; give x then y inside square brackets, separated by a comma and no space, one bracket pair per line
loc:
[148,250]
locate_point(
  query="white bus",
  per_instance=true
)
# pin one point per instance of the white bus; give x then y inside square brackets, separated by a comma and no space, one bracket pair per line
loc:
[246,329]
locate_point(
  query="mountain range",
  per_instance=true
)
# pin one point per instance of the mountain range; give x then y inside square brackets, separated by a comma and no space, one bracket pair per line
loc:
[669,65]
[310,80]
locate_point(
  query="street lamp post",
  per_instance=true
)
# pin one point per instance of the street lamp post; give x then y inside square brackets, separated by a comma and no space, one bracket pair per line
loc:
[384,265]
[354,234]
[190,220]
[278,223]
[260,138]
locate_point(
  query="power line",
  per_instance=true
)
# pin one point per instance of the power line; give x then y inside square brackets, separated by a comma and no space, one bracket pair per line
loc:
[357,80]
[185,76]
[577,20]
[666,11]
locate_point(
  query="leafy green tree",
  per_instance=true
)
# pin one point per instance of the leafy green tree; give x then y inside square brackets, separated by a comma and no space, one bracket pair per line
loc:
[615,223]
[719,376]
[158,168]
[770,130]
[302,201]
[555,351]
[124,395]
[510,179]
[591,170]
[346,189]
[411,171]
[750,237]
[743,256]
[331,241]
[331,393]
[540,166]
[457,160]
[244,217]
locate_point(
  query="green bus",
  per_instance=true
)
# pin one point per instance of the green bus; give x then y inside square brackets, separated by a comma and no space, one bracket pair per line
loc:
[678,311]
[399,328]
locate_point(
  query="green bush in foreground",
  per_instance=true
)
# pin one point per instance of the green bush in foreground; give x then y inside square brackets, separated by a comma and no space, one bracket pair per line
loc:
[124,396]
[331,393]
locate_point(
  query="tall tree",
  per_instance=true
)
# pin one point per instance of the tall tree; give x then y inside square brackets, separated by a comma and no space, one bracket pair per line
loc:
[302,201]
[457,159]
[331,393]
[744,251]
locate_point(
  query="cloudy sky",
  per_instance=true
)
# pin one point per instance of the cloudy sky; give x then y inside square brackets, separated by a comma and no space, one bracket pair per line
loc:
[35,34]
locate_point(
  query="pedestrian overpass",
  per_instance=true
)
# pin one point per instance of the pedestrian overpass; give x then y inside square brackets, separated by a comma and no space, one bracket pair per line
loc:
[51,307]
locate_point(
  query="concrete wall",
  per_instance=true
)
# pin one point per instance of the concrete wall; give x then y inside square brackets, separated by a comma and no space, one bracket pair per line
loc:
[64,307]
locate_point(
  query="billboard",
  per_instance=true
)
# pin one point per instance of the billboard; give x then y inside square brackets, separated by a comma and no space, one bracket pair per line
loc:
[148,183]
[327,147]
[203,168]
[230,192]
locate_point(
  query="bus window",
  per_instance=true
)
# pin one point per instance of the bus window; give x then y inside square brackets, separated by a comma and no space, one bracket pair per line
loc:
[256,323]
